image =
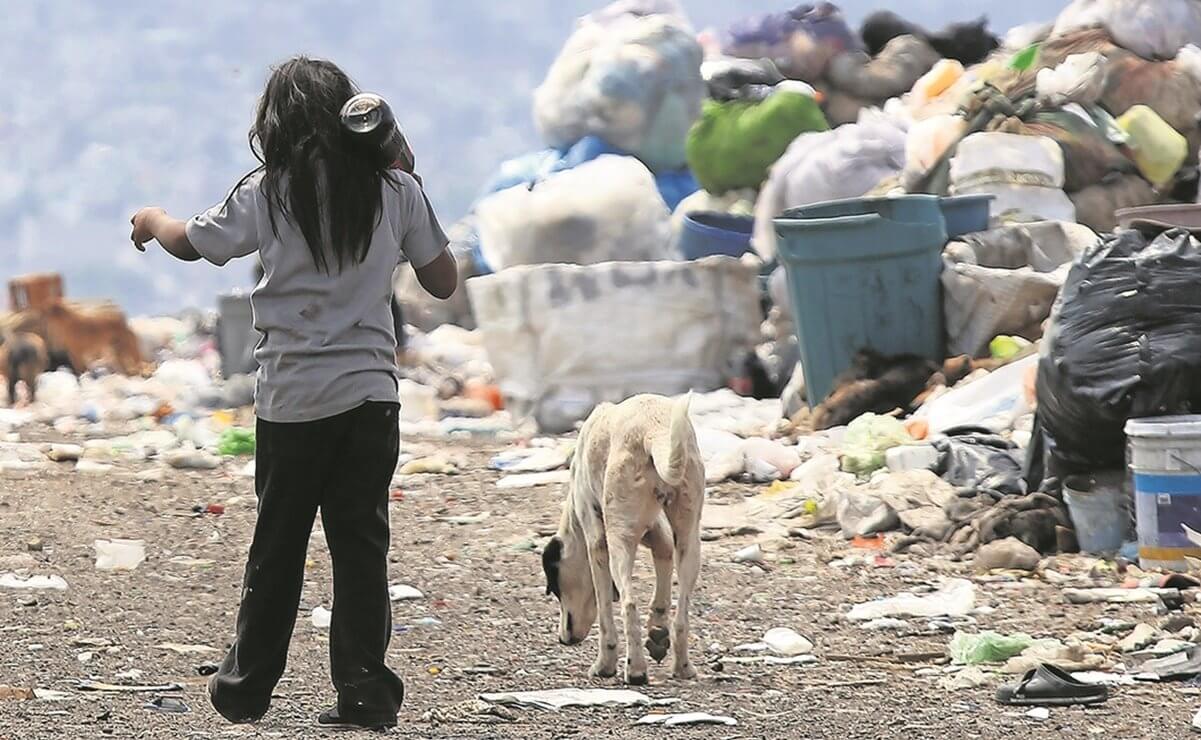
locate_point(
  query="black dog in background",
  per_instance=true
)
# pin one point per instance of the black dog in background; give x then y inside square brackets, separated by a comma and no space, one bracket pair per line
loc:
[968,43]
[397,317]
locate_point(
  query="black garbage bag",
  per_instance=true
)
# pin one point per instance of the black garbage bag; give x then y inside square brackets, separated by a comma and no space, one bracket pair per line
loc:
[1125,342]
[981,462]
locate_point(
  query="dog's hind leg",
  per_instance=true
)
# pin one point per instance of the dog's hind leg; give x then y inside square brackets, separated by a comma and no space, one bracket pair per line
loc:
[658,639]
[602,583]
[623,547]
[686,526]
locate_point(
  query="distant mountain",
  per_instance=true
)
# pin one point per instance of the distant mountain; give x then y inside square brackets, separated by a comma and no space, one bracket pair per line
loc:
[109,105]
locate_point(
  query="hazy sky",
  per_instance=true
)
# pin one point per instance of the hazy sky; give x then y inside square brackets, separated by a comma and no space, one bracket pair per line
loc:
[115,104]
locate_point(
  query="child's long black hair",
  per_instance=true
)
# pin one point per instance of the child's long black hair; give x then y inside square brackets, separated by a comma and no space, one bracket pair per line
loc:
[333,191]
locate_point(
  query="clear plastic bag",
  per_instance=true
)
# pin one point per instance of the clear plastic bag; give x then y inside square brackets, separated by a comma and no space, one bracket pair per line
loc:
[845,162]
[635,82]
[1153,29]
[605,210]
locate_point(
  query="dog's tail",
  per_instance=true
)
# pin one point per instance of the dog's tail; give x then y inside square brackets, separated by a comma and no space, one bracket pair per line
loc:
[669,451]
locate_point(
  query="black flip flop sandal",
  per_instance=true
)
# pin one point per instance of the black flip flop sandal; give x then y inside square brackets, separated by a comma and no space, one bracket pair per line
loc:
[1048,686]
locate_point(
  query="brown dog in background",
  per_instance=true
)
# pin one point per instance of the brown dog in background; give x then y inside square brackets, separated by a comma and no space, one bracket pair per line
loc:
[23,357]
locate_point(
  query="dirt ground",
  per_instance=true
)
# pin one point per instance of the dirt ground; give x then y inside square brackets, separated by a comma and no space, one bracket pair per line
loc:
[495,626]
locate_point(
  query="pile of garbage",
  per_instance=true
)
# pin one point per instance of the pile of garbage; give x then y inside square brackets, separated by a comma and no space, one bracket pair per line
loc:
[944,390]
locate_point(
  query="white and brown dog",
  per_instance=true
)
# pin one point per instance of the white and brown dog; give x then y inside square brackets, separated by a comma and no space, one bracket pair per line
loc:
[636,476]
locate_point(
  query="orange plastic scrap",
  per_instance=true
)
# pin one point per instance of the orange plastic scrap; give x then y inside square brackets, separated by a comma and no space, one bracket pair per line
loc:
[919,429]
[875,542]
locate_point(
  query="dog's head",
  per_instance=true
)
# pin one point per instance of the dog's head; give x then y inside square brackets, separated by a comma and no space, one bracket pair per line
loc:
[569,578]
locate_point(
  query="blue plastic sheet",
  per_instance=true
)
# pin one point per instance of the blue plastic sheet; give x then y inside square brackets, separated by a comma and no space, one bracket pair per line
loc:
[674,185]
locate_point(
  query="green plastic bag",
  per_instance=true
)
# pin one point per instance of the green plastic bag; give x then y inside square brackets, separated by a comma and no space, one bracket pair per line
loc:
[734,144]
[866,441]
[987,647]
[236,442]
[1024,60]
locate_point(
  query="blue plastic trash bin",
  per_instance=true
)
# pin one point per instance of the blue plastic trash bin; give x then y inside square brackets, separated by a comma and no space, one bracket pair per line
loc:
[863,274]
[966,214]
[707,234]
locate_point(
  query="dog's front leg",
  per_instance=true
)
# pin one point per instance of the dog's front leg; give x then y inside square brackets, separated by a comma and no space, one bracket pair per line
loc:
[598,560]
[623,548]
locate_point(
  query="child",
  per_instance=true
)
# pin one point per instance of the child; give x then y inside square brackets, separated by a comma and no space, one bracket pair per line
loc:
[330,221]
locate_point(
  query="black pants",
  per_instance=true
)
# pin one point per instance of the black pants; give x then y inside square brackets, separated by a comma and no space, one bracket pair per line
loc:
[342,465]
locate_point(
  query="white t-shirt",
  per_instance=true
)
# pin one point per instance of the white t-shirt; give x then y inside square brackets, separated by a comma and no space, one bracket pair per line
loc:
[327,342]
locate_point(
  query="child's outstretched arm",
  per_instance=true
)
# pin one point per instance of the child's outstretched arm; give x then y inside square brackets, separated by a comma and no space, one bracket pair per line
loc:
[171,233]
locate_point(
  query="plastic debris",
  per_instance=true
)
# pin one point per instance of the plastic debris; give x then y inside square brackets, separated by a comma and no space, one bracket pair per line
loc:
[531,460]
[119,554]
[693,718]
[110,688]
[181,649]
[1115,595]
[429,466]
[867,440]
[971,677]
[534,480]
[956,598]
[33,583]
[168,704]
[750,554]
[787,642]
[467,519]
[236,442]
[322,618]
[1039,714]
[558,699]
[986,647]
[402,592]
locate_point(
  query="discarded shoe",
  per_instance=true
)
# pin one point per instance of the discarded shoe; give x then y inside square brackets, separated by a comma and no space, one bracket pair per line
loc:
[1053,687]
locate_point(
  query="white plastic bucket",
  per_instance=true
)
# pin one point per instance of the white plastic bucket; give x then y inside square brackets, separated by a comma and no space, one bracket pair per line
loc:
[1165,459]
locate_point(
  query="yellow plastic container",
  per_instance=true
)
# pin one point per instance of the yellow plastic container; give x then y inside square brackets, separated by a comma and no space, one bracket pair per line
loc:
[1159,149]
[937,81]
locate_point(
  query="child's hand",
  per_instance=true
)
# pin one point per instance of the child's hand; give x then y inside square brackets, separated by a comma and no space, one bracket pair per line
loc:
[143,226]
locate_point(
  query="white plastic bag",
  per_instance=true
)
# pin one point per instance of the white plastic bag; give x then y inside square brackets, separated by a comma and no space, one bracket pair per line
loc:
[635,82]
[563,338]
[1024,173]
[845,162]
[1153,29]
[1005,281]
[956,598]
[1080,79]
[994,402]
[119,554]
[605,210]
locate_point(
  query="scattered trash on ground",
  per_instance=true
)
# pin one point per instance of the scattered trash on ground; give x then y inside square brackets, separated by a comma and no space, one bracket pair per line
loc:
[679,720]
[119,554]
[558,699]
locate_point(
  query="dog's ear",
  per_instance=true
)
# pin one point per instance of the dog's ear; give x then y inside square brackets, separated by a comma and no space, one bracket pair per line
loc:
[551,555]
